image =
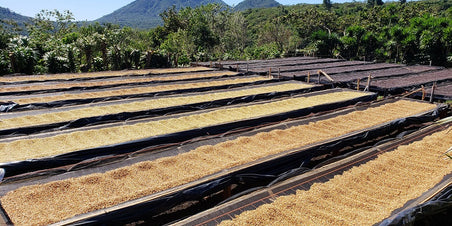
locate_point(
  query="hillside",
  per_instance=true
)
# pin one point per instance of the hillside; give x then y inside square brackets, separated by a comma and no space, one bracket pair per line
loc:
[145,13]
[252,4]
[7,15]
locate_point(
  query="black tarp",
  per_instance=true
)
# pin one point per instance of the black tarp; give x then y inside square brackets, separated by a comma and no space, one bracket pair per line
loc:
[20,167]
[436,211]
[267,194]
[437,96]
[262,173]
[63,80]
[11,106]
[124,75]
[97,87]
[253,177]
[130,115]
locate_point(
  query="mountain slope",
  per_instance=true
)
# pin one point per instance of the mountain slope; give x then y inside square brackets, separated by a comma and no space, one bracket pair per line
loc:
[251,4]
[145,13]
[6,15]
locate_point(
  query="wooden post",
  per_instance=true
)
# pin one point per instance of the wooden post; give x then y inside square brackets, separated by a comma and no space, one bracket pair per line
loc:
[210,63]
[237,66]
[318,77]
[415,91]
[270,72]
[433,92]
[368,83]
[423,92]
[326,76]
[309,77]
[279,73]
[357,84]
[247,67]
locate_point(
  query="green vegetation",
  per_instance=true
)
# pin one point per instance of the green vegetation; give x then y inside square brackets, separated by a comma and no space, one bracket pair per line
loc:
[251,4]
[402,32]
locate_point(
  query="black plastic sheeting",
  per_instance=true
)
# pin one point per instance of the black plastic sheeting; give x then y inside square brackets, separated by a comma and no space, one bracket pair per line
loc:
[83,88]
[397,90]
[20,167]
[276,61]
[7,106]
[253,177]
[64,80]
[11,106]
[96,120]
[402,88]
[437,96]
[148,210]
[437,211]
[267,195]
[102,77]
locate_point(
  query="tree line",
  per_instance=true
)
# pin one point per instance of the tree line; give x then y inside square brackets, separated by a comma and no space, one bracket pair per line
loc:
[402,32]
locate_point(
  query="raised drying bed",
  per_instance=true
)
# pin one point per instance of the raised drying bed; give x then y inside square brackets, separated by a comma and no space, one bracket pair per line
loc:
[398,85]
[104,74]
[90,142]
[64,199]
[359,68]
[15,103]
[35,121]
[381,73]
[302,74]
[21,89]
[443,92]
[362,189]
[292,70]
[232,63]
[178,70]
[286,62]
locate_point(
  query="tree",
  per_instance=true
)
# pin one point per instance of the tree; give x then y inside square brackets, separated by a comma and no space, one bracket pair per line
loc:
[22,56]
[235,38]
[433,34]
[61,59]
[176,45]
[352,47]
[397,38]
[51,24]
[275,33]
[87,45]
[325,43]
[375,2]
[327,4]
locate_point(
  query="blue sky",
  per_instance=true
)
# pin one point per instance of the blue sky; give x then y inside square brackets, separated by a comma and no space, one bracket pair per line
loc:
[93,9]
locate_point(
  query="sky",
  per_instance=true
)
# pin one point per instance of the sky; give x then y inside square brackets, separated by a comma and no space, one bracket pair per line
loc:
[94,9]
